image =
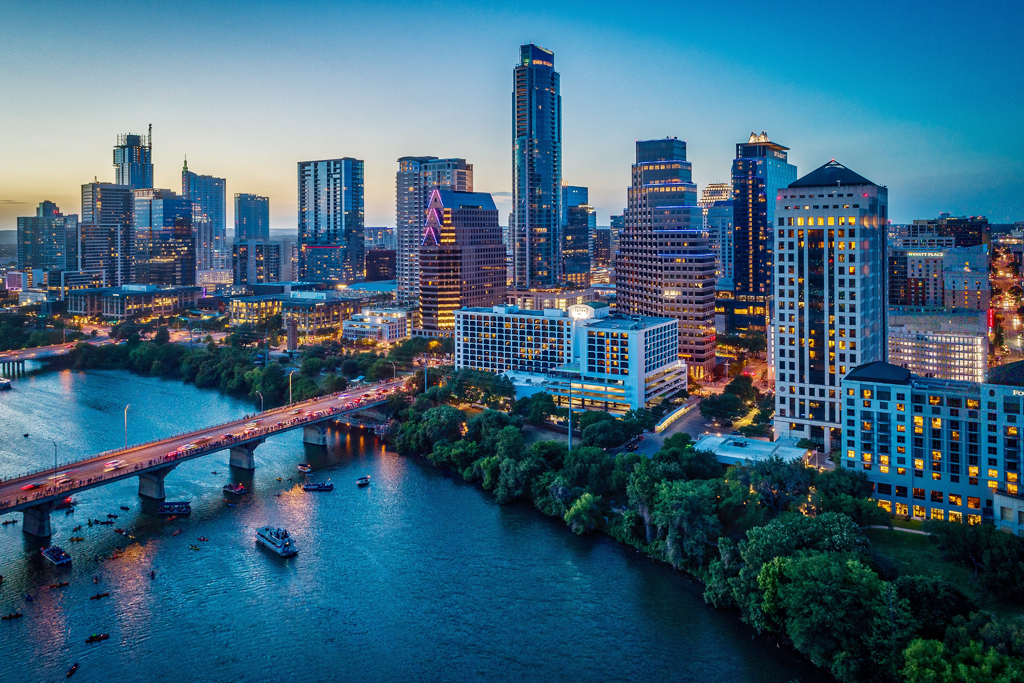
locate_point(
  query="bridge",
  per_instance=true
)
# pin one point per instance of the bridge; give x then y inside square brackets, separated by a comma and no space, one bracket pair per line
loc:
[37,494]
[12,363]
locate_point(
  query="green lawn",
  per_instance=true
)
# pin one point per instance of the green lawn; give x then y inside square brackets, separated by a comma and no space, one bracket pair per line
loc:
[919,555]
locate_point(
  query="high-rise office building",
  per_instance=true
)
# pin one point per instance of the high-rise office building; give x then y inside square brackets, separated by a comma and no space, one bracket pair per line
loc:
[536,170]
[573,195]
[462,259]
[665,266]
[331,220]
[106,231]
[417,177]
[164,249]
[48,240]
[256,261]
[578,244]
[379,238]
[380,264]
[133,160]
[252,217]
[209,219]
[616,224]
[760,170]
[602,247]
[830,245]
[966,231]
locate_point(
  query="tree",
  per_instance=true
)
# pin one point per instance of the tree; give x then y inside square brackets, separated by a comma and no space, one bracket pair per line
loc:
[606,434]
[934,602]
[639,421]
[162,336]
[723,406]
[588,417]
[839,613]
[742,386]
[778,483]
[583,515]
[684,512]
[930,661]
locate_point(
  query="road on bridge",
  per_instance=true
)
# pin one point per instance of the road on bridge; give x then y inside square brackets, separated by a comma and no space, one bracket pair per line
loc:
[101,469]
[40,352]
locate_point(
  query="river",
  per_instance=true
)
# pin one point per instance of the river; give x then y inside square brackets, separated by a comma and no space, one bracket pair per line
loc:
[418,577]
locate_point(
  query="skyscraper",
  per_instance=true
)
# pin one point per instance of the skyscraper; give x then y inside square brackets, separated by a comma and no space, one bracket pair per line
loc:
[665,266]
[462,258]
[417,177]
[106,234]
[830,243]
[578,244]
[165,246]
[252,217]
[209,219]
[537,170]
[717,205]
[48,240]
[616,224]
[133,160]
[331,220]
[759,171]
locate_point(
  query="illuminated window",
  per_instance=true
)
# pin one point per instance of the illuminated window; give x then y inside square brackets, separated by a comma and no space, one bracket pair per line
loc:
[993,474]
[937,513]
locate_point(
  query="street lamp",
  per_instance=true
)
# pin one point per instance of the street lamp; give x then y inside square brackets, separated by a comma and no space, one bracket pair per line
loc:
[290,386]
[394,370]
[261,401]
[126,425]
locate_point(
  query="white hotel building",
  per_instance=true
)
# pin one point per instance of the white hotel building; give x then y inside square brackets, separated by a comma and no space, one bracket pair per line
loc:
[607,362]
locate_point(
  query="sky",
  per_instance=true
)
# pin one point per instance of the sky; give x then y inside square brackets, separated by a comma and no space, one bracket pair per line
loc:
[923,97]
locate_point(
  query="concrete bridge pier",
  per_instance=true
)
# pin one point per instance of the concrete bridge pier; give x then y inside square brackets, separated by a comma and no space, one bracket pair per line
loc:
[36,520]
[315,434]
[151,483]
[243,455]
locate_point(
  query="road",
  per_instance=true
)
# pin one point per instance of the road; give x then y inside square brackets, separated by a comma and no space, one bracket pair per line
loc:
[40,352]
[96,471]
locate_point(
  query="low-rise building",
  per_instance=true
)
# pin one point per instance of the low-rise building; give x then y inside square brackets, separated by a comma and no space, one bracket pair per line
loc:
[385,325]
[589,358]
[254,310]
[128,301]
[937,449]
[317,315]
[941,344]
[557,297]
[739,450]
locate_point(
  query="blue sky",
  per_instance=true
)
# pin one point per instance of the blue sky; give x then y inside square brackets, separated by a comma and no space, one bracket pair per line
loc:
[926,98]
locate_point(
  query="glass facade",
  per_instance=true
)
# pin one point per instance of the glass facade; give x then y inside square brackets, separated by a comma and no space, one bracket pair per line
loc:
[536,170]
[106,232]
[133,160]
[48,240]
[331,220]
[760,170]
[164,244]
[209,219]
[252,217]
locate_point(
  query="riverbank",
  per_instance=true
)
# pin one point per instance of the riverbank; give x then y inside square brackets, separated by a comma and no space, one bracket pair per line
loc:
[782,546]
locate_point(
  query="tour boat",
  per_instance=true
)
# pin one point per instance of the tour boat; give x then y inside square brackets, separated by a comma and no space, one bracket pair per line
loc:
[277,540]
[363,481]
[317,486]
[5,384]
[236,489]
[56,555]
[65,504]
[181,507]
[304,468]
[97,637]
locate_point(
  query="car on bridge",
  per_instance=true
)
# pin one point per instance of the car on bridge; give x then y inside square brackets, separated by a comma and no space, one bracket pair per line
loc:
[30,487]
[114,465]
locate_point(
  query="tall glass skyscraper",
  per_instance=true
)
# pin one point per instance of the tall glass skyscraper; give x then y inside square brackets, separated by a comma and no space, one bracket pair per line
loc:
[415,181]
[759,171]
[164,248]
[665,266]
[48,240]
[331,220]
[133,160]
[209,219]
[106,232]
[252,217]
[537,170]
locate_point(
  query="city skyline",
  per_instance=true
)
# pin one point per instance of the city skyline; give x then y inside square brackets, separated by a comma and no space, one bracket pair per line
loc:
[932,127]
